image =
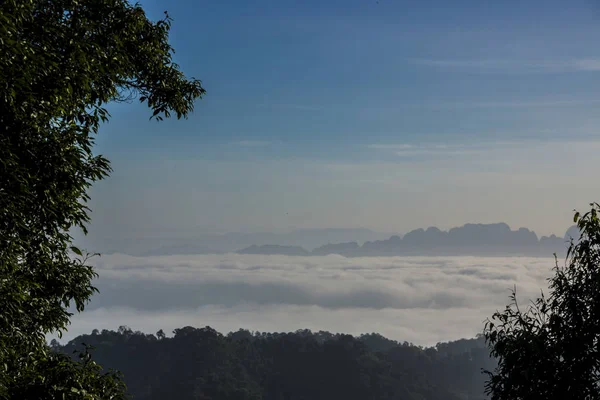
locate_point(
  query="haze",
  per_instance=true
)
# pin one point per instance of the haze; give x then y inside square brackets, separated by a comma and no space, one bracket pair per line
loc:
[363,118]
[383,115]
[423,300]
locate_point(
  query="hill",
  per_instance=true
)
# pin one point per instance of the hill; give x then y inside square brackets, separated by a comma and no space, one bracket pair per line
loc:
[275,249]
[469,239]
[204,364]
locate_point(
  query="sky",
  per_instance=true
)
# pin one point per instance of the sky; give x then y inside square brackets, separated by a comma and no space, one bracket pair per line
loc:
[387,115]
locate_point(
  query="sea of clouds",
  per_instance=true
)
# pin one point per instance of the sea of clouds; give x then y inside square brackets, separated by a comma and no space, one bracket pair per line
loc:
[423,300]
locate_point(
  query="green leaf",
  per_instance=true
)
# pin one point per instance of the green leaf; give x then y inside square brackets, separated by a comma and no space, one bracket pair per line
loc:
[60,62]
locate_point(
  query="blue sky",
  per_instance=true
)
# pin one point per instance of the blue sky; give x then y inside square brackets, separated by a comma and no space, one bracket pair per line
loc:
[389,115]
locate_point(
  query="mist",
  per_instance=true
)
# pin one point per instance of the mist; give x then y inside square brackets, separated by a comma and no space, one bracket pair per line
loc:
[423,300]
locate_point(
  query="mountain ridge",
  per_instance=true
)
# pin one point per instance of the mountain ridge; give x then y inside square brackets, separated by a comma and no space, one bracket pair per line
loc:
[469,239]
[201,363]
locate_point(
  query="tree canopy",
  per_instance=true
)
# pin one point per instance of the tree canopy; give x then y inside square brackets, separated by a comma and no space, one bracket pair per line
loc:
[551,348]
[62,62]
[204,364]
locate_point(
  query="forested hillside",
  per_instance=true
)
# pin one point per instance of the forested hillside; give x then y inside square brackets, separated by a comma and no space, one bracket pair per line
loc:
[204,364]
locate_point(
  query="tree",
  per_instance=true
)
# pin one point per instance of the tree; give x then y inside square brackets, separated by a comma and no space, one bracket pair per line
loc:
[551,349]
[62,62]
[204,364]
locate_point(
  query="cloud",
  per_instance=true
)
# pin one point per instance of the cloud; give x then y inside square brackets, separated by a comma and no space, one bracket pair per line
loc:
[442,149]
[376,189]
[390,146]
[254,143]
[513,65]
[588,64]
[557,103]
[419,299]
[289,106]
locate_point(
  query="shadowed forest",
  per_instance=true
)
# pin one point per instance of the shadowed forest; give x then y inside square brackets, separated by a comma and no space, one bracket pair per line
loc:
[243,365]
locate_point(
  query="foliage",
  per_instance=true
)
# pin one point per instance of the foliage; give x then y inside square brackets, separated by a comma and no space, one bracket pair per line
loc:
[62,62]
[204,364]
[550,350]
[58,376]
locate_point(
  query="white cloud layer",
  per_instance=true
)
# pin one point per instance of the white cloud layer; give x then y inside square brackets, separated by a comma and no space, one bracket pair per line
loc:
[419,299]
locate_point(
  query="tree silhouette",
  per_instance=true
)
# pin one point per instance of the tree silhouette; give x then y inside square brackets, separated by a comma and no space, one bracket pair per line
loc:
[62,62]
[204,364]
[551,349]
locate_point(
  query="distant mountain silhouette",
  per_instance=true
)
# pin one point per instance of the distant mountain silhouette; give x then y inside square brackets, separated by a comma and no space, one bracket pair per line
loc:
[470,239]
[180,249]
[572,233]
[339,248]
[203,243]
[275,249]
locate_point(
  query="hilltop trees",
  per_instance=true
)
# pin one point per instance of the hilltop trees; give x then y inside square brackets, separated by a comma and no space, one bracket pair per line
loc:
[204,364]
[62,62]
[551,349]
